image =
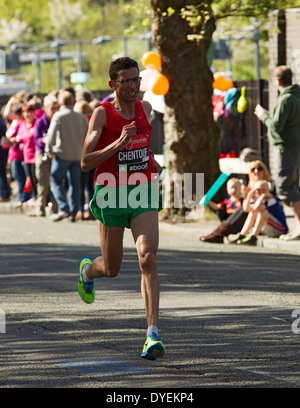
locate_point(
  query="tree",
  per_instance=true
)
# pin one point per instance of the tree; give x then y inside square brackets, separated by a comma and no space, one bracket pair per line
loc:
[182,34]
[12,30]
[64,16]
[191,136]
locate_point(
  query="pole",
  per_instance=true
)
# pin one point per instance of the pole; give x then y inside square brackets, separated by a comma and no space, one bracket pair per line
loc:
[149,39]
[257,51]
[38,69]
[80,56]
[58,62]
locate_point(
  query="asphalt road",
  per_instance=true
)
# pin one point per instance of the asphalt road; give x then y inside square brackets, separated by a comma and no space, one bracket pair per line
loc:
[226,316]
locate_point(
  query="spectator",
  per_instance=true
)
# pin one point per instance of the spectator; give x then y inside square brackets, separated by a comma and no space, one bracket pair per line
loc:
[265,214]
[69,89]
[94,103]
[14,100]
[15,154]
[84,95]
[25,135]
[231,203]
[234,223]
[284,134]
[42,161]
[64,143]
[87,178]
[83,107]
[4,186]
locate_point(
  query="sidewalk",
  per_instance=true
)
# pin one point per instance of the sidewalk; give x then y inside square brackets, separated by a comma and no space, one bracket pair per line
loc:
[202,227]
[192,229]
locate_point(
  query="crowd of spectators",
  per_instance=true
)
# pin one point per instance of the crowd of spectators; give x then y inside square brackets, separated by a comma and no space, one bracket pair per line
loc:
[28,161]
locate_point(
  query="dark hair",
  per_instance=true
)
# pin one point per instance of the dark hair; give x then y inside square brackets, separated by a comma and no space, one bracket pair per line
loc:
[119,64]
[284,74]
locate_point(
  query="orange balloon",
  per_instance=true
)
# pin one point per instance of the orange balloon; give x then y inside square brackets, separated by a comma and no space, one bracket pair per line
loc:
[151,60]
[159,84]
[222,83]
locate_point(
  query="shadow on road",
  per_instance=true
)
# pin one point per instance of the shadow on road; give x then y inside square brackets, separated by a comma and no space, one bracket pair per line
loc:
[225,319]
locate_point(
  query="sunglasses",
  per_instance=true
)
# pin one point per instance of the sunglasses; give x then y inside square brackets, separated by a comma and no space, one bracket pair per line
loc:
[126,82]
[259,168]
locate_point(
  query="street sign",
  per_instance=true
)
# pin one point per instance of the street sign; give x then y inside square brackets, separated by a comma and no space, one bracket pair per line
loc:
[79,77]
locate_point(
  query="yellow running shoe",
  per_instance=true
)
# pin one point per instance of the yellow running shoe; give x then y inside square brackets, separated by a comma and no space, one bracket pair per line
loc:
[153,347]
[86,289]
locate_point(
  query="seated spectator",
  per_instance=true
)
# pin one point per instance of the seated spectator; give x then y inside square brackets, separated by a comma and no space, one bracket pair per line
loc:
[265,214]
[231,203]
[235,222]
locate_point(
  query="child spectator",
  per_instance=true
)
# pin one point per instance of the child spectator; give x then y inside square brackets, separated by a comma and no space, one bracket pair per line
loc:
[230,204]
[265,215]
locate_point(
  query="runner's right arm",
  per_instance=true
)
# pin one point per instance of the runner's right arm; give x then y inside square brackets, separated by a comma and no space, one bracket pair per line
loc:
[90,158]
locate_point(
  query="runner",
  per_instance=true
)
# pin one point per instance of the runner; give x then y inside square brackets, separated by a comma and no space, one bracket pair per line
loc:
[118,146]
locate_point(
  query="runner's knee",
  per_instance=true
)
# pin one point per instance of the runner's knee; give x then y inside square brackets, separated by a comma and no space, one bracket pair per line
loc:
[147,261]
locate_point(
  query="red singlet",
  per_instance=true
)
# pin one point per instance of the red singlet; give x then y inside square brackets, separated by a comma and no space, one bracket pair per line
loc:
[134,157]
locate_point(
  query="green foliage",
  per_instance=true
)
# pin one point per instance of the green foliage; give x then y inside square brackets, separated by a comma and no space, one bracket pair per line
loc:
[72,20]
[35,22]
[248,8]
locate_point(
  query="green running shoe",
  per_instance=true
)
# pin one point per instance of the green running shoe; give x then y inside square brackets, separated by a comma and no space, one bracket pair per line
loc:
[86,289]
[153,347]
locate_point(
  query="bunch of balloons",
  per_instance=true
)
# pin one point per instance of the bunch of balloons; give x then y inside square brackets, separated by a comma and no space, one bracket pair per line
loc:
[152,79]
[221,82]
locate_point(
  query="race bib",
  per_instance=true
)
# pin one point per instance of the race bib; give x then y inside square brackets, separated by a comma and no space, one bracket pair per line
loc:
[130,161]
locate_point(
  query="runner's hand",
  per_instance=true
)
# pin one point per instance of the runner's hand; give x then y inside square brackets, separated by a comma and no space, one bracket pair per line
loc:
[128,132]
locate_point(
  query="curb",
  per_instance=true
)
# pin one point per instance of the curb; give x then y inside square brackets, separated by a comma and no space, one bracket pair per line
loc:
[192,230]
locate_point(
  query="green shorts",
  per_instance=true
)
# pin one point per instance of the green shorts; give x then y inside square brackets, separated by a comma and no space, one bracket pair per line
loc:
[117,206]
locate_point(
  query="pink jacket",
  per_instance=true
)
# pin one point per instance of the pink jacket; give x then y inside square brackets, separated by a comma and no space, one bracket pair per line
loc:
[15,152]
[26,131]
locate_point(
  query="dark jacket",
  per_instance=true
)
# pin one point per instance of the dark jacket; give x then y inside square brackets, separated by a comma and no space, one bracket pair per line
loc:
[284,125]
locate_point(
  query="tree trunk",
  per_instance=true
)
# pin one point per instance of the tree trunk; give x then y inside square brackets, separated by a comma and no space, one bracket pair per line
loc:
[191,136]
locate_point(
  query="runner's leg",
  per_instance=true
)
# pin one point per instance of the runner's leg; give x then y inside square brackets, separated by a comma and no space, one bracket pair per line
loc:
[145,233]
[108,265]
